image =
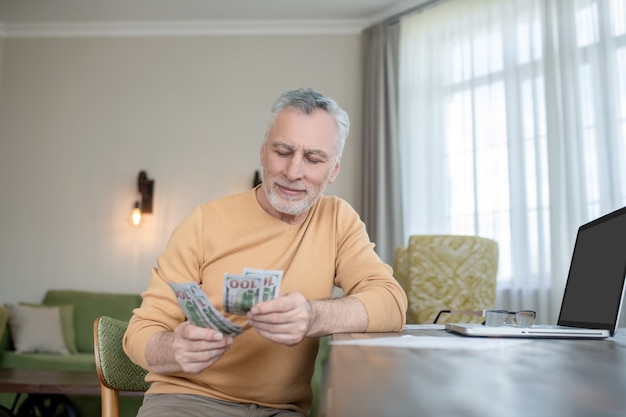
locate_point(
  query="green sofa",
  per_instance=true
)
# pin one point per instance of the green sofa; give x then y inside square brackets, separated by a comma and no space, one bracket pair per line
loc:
[78,309]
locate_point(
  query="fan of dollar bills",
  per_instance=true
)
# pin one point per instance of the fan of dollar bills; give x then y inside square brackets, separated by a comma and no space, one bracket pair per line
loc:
[241,292]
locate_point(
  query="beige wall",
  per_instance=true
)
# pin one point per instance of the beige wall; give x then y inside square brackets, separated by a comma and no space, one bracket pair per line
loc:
[79,117]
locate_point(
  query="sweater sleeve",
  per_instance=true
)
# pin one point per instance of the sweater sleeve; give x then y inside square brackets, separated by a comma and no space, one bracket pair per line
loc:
[363,275]
[159,310]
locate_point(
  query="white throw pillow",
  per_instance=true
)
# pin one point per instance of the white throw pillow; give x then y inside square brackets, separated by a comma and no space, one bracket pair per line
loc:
[36,329]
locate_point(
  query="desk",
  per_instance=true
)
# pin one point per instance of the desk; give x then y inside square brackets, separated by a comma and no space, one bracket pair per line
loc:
[538,378]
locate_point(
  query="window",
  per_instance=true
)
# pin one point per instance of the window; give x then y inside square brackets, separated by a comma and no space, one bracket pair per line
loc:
[513,126]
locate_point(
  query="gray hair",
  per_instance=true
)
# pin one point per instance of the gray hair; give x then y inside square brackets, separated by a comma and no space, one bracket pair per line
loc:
[307,101]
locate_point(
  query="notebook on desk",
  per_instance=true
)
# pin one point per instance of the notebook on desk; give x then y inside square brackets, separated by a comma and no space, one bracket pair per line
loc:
[594,292]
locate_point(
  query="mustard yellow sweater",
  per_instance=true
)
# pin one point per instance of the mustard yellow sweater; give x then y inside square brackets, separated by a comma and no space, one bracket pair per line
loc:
[331,247]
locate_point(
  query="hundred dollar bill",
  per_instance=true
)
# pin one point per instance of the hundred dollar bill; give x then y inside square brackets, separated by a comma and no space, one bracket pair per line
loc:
[241,292]
[214,316]
[200,311]
[271,281]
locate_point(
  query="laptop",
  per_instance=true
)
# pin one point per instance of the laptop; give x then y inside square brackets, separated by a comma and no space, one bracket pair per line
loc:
[594,292]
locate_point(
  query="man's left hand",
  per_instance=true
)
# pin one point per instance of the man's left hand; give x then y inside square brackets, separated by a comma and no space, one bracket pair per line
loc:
[285,319]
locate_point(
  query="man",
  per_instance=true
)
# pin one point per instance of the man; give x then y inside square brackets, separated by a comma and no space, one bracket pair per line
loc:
[285,223]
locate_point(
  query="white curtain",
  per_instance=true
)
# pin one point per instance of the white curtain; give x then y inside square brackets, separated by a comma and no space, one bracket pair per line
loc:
[512,125]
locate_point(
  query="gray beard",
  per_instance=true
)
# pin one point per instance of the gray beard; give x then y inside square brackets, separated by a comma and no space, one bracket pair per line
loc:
[292,209]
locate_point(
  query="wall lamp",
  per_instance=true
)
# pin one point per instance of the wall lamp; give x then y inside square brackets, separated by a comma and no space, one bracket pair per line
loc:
[145,187]
[256,180]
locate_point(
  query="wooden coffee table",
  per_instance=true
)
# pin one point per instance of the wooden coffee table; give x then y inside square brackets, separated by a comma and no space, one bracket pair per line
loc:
[47,391]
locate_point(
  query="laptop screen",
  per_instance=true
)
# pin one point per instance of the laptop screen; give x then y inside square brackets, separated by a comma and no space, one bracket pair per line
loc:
[595,283]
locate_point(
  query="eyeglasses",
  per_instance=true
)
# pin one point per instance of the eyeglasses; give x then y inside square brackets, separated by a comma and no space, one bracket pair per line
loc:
[496,318]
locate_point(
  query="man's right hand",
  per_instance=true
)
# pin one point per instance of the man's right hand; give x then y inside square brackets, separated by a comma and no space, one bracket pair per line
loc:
[188,349]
